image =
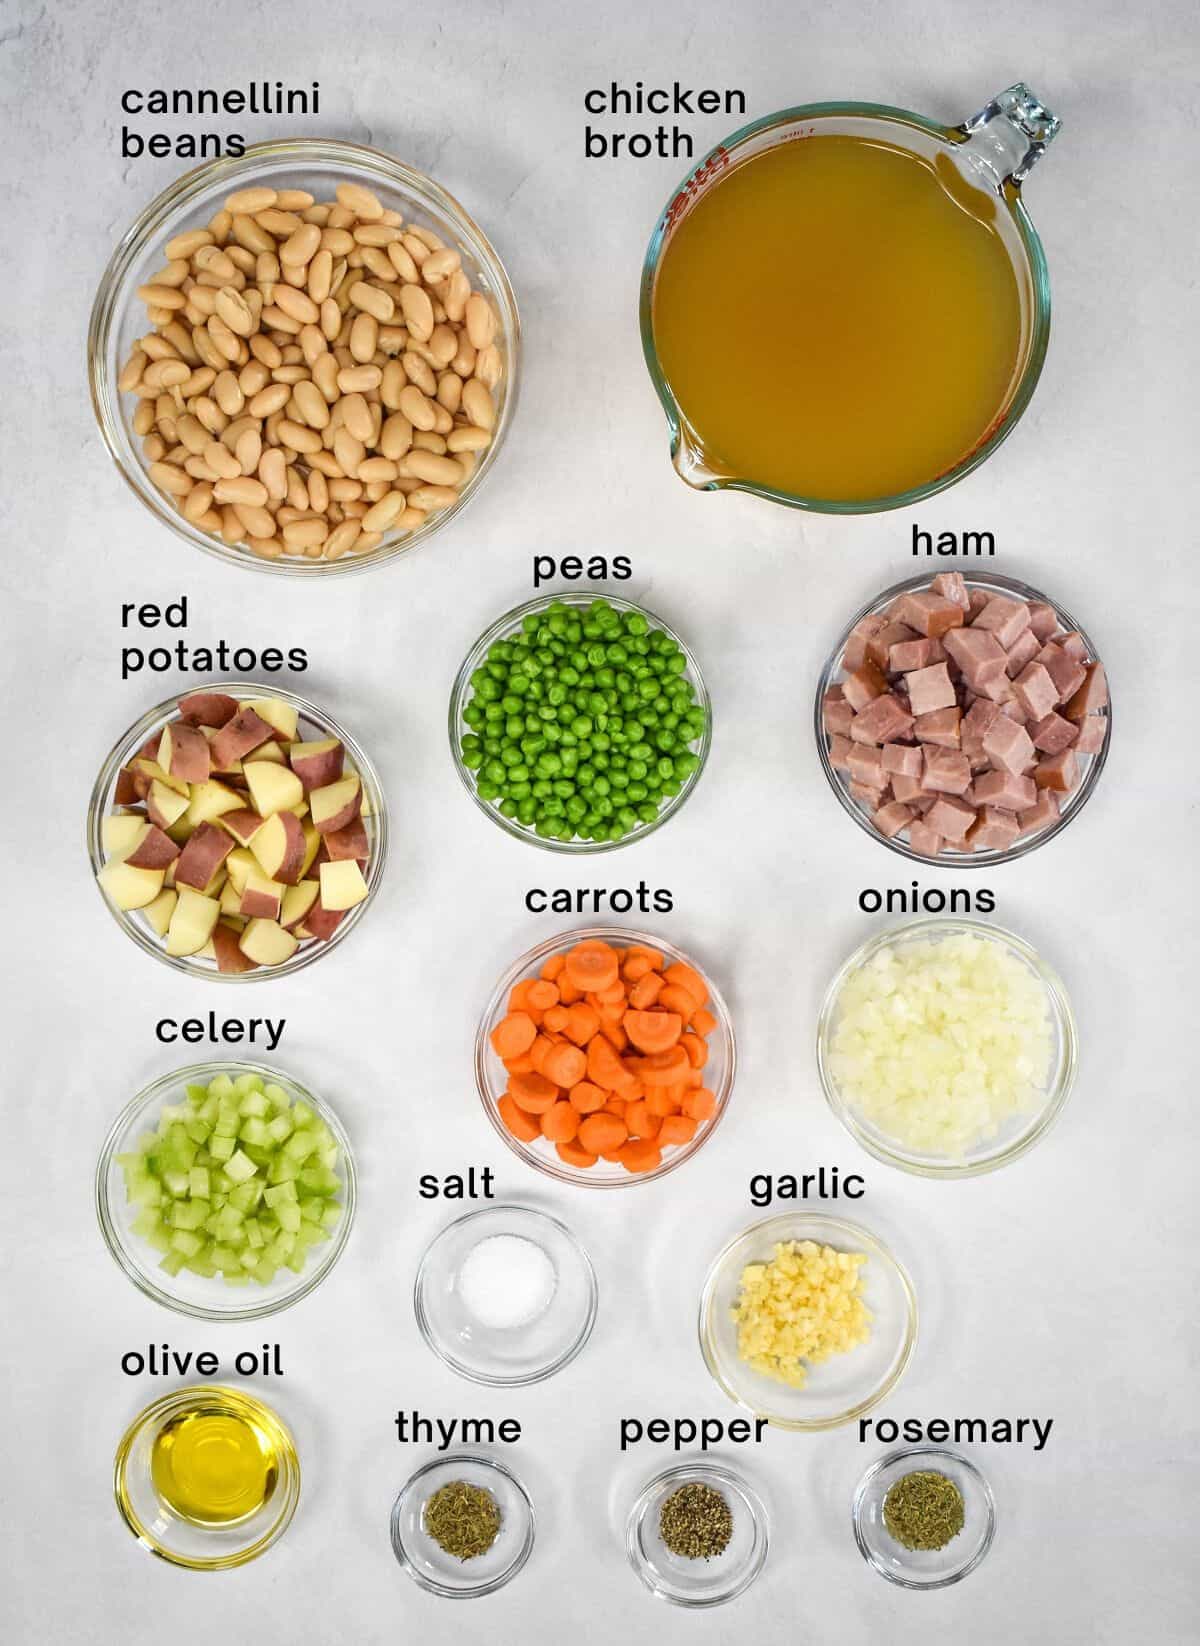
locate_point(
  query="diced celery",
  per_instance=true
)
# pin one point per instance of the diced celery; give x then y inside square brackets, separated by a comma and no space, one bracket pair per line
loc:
[300,1145]
[254,1234]
[190,1214]
[331,1216]
[302,1113]
[176,1183]
[172,1262]
[254,1106]
[197,1096]
[289,1216]
[239,1167]
[283,1170]
[220,1086]
[320,1180]
[183,1240]
[198,1130]
[246,1196]
[279,1129]
[279,1098]
[248,1082]
[226,1259]
[311,1208]
[198,1184]
[278,1193]
[222,1147]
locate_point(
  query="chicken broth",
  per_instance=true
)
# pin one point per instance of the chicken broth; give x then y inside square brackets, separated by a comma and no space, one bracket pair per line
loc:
[839,319]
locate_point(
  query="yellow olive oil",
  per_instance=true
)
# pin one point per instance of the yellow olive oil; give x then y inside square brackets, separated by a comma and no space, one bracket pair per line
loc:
[839,319]
[214,1465]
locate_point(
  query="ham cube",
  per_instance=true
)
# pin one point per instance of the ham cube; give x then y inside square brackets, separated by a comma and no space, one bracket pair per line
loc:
[907,789]
[979,655]
[940,726]
[1004,789]
[1067,674]
[890,819]
[902,758]
[946,771]
[865,767]
[1041,814]
[1092,733]
[974,727]
[1057,771]
[882,641]
[924,840]
[882,721]
[1024,650]
[977,599]
[992,830]
[1052,734]
[952,586]
[839,752]
[1074,646]
[855,653]
[1008,745]
[836,713]
[908,655]
[1035,691]
[929,614]
[866,795]
[1043,620]
[951,818]
[859,687]
[1091,696]
[1006,619]
[1014,709]
[930,689]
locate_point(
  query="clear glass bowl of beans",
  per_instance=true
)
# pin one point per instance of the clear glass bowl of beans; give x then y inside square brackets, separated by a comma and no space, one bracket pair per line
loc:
[315,380]
[963,736]
[579,723]
[255,830]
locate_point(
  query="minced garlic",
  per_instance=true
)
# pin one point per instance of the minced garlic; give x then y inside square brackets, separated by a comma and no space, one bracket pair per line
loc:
[800,1308]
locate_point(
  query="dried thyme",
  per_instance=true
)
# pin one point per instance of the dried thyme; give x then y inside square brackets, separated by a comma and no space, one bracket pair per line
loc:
[462,1519]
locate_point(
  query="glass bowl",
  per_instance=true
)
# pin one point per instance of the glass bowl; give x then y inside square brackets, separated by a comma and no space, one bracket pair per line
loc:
[159,1528]
[698,1583]
[193,1294]
[491,1077]
[1017,1136]
[951,857]
[505,1357]
[462,694]
[427,1563]
[839,1389]
[923,1568]
[118,316]
[313,724]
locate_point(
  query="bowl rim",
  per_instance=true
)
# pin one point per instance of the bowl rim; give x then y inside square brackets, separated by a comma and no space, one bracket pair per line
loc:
[951,859]
[471,1373]
[359,160]
[477,1460]
[704,1471]
[461,695]
[183,1398]
[1061,1011]
[135,735]
[551,1167]
[157,1091]
[927,1452]
[849,1232]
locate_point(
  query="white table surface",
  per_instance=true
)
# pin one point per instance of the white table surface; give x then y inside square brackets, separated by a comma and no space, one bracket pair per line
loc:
[1063,1287]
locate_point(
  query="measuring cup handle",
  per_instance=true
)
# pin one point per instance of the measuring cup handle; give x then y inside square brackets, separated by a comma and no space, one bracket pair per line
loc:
[1010,134]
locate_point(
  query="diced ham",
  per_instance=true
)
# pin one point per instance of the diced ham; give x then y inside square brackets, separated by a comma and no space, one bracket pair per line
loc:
[1006,619]
[952,586]
[1053,734]
[946,771]
[977,599]
[836,713]
[929,614]
[1057,771]
[1067,674]
[1044,811]
[862,685]
[890,819]
[1023,650]
[882,721]
[1004,789]
[930,689]
[1035,691]
[866,795]
[907,789]
[940,726]
[839,752]
[978,654]
[880,644]
[1043,619]
[950,817]
[902,758]
[855,653]
[907,655]
[992,830]
[926,842]
[865,766]
[1091,696]
[1014,709]
[1092,733]
[1074,646]
[974,727]
[1008,745]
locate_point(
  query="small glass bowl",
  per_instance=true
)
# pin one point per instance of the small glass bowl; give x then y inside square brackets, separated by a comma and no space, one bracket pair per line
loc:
[427,1563]
[462,694]
[193,1294]
[513,1356]
[839,1389]
[166,1534]
[698,1583]
[491,1077]
[923,1568]
[952,857]
[1023,1130]
[118,316]
[314,724]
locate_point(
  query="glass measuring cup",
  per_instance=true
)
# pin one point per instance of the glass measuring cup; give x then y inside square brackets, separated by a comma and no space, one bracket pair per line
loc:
[993,151]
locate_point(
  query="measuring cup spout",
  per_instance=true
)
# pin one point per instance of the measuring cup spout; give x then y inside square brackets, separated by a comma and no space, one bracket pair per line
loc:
[1008,136]
[691,461]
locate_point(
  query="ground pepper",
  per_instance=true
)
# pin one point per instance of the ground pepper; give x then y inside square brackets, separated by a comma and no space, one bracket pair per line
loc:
[923,1510]
[696,1522]
[462,1519]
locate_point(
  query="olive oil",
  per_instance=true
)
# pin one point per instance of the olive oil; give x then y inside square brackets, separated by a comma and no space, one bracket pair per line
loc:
[214,1464]
[839,319]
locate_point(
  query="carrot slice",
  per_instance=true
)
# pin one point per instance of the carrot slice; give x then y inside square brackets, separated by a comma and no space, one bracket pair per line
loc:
[700,1104]
[565,1064]
[519,1065]
[552,965]
[592,965]
[587,1098]
[696,1049]
[560,1122]
[615,1105]
[640,1119]
[703,1021]
[665,1100]
[642,950]
[583,1021]
[675,999]
[615,1035]
[646,991]
[540,1050]
[614,996]
[542,994]
[574,1154]
[611,1155]
[640,1156]
[653,1031]
[598,1132]
[605,1068]
[665,1068]
[533,1092]
[677,1128]
[636,967]
[513,1035]
[568,994]
[687,977]
[556,1018]
[520,1124]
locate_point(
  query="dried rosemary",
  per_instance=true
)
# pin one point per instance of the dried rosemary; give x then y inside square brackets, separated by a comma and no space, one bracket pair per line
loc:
[696,1522]
[923,1510]
[462,1519]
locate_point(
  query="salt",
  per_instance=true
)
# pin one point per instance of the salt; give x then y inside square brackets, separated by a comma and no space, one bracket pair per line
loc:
[506,1281]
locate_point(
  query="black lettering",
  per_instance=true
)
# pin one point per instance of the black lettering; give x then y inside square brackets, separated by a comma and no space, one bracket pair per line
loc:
[160,145]
[508,1430]
[656,100]
[532,903]
[913,1432]
[134,106]
[133,1364]
[235,144]
[922,541]
[631,1431]
[979,543]
[298,659]
[708,102]
[854,1186]
[620,901]
[663,902]
[572,567]
[595,144]
[271,660]
[760,1190]
[593,102]
[970,1429]
[888,1424]
[985,901]
[131,144]
[543,569]
[870,902]
[735,102]
[233,102]
[622,568]
[176,614]
[427,1187]
[161,1027]
[937,1430]
[658,1430]
[477,1431]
